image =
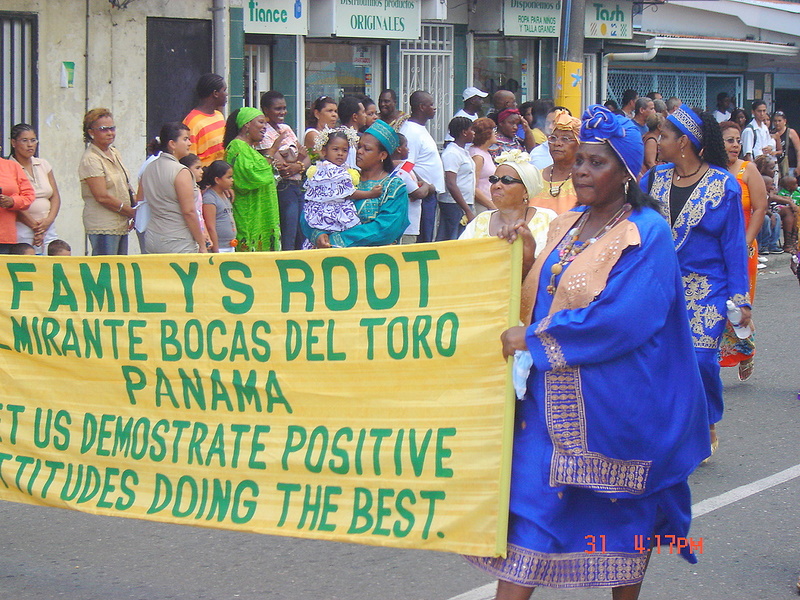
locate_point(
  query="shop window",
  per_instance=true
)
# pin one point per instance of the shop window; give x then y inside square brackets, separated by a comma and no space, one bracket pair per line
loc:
[503,64]
[17,73]
[340,69]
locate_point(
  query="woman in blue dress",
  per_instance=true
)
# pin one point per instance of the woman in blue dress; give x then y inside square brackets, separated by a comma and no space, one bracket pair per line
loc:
[703,203]
[614,418]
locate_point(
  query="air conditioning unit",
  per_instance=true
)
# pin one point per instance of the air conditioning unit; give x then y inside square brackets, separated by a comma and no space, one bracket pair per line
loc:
[434,10]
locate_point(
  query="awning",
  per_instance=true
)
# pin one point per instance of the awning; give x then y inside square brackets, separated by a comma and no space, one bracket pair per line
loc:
[770,15]
[709,44]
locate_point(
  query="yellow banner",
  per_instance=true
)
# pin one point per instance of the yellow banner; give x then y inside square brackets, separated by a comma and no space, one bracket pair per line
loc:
[354,395]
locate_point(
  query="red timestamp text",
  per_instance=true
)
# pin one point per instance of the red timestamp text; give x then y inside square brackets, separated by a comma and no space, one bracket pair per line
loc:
[644,543]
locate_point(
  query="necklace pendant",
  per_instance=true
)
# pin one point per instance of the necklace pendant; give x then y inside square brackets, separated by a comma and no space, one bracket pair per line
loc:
[551,290]
[556,268]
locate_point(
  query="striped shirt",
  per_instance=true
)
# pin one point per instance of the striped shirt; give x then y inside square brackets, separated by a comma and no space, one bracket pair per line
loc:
[206,132]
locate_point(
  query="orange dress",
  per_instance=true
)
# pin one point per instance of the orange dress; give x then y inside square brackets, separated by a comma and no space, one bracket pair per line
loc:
[733,350]
[752,249]
[564,200]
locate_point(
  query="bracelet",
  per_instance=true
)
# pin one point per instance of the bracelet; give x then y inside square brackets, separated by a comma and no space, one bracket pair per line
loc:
[121,205]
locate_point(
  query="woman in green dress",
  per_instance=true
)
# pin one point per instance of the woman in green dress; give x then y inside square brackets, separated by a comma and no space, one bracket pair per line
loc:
[255,208]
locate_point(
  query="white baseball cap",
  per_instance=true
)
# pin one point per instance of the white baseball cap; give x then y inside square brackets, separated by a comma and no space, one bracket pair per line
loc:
[473,91]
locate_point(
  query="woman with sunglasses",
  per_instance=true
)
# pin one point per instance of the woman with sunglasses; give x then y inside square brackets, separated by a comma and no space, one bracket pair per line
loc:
[558,193]
[105,186]
[612,420]
[733,351]
[35,224]
[514,182]
[703,203]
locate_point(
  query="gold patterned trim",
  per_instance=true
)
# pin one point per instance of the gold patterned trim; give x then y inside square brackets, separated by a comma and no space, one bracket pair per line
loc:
[741,299]
[569,570]
[688,125]
[709,192]
[703,318]
[572,462]
[552,349]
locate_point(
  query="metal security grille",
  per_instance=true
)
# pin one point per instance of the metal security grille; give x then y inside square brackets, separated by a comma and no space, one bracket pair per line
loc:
[689,87]
[17,73]
[427,64]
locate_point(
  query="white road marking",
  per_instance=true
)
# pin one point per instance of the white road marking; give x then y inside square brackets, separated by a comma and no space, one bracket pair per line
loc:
[486,592]
[743,491]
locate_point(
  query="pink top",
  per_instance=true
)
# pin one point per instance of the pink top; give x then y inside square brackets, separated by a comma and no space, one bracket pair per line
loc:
[483,175]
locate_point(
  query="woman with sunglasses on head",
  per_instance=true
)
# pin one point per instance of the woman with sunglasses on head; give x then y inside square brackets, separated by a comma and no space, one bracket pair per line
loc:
[35,224]
[514,182]
[703,203]
[105,186]
[734,351]
[558,193]
[611,420]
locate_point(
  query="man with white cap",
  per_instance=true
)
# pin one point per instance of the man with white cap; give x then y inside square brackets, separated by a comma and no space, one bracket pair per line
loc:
[473,100]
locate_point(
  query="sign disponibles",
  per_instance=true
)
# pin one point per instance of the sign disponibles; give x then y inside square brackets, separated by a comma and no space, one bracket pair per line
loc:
[532,18]
[355,395]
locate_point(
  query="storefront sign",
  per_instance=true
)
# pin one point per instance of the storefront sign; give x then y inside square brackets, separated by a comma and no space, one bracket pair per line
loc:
[533,18]
[362,56]
[276,16]
[608,20]
[389,19]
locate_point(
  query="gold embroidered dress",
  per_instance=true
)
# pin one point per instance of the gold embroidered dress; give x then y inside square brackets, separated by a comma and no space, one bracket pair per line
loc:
[614,418]
[708,234]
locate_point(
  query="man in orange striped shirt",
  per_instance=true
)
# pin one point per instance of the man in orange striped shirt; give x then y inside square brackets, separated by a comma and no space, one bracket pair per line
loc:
[205,122]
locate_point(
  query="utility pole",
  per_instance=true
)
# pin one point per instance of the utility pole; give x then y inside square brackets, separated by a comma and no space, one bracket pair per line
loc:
[569,69]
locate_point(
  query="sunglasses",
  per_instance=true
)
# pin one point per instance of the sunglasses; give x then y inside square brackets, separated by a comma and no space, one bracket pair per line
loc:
[106,128]
[505,179]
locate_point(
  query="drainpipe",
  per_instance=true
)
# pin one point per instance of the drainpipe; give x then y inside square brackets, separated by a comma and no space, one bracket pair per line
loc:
[220,18]
[86,63]
[620,56]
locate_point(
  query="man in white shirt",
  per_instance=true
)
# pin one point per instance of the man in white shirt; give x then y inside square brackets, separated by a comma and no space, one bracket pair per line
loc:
[756,137]
[459,179]
[473,100]
[424,153]
[723,112]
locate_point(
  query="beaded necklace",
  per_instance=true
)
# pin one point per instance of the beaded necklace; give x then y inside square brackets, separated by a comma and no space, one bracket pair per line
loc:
[555,190]
[572,248]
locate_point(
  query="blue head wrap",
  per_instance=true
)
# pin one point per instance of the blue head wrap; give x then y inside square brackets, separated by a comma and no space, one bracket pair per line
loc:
[689,124]
[601,125]
[385,134]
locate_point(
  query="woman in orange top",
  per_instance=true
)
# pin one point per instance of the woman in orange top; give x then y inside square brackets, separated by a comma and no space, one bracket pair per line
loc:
[734,351]
[558,193]
[16,193]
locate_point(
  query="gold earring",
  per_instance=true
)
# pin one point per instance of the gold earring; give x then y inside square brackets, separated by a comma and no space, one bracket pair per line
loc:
[682,154]
[627,186]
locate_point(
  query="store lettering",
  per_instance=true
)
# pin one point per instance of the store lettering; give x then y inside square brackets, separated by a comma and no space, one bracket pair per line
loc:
[603,14]
[534,5]
[373,23]
[260,15]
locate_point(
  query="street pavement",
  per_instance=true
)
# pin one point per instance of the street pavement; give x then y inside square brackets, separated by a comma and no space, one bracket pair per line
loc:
[751,536]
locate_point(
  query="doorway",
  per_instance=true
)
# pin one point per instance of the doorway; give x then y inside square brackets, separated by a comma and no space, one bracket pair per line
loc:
[178,53]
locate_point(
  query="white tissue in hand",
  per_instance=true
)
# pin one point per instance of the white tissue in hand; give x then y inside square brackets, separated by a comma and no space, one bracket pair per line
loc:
[523,361]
